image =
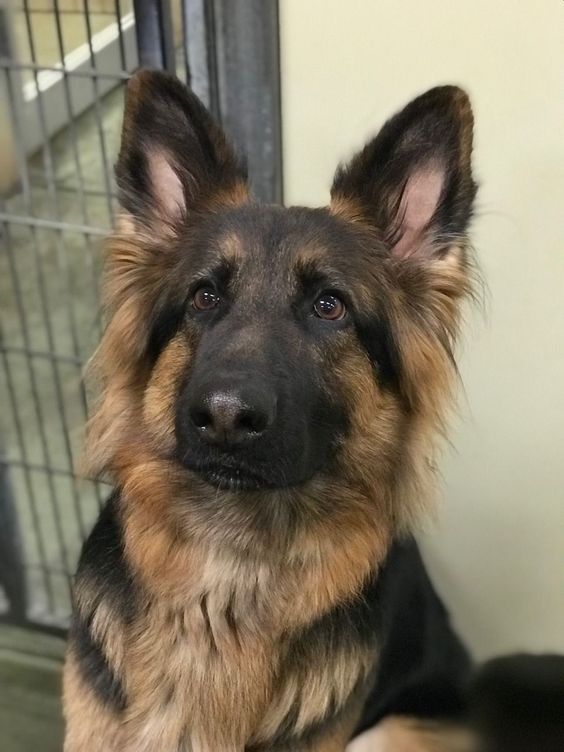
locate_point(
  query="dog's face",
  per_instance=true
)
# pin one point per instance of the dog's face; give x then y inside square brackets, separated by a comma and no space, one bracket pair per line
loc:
[259,347]
[272,302]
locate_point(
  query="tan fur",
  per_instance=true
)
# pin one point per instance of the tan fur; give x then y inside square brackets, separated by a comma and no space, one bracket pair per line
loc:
[137,269]
[349,209]
[134,272]
[237,607]
[237,672]
[89,726]
[229,597]
[219,689]
[161,392]
[397,734]
[106,629]
[236,195]
[337,735]
[224,647]
[369,456]
[232,685]
[318,680]
[174,548]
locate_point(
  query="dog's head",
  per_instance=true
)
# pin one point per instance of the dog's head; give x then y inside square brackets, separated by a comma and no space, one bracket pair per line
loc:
[255,348]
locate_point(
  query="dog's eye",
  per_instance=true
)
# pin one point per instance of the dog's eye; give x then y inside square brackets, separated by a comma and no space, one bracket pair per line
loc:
[205,299]
[329,307]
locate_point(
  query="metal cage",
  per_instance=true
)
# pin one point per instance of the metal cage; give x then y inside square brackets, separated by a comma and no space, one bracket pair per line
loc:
[63,64]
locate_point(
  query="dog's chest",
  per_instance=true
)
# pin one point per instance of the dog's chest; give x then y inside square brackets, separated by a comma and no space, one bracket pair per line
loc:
[200,682]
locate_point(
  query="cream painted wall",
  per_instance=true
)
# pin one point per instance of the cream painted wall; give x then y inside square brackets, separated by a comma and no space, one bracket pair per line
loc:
[497,548]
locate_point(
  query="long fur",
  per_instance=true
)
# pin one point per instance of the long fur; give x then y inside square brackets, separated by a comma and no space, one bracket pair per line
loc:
[239,619]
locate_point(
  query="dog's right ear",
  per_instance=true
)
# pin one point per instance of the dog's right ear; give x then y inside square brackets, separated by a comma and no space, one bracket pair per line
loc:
[174,158]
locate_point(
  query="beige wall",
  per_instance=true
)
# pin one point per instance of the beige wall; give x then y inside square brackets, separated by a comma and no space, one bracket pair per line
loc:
[497,550]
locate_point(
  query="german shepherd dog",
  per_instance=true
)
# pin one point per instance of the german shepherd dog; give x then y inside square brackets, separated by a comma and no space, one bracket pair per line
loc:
[273,382]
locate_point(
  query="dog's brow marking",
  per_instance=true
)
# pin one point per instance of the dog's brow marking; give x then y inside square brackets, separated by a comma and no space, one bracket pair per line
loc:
[315,269]
[232,247]
[311,271]
[310,252]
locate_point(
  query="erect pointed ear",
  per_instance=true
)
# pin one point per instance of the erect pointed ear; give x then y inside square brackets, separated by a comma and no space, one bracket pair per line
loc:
[413,181]
[174,158]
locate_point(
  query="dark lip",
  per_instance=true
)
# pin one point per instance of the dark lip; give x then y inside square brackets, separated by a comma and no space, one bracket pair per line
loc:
[229,478]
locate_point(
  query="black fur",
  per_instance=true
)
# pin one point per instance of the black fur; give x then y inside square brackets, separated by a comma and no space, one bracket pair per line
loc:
[102,563]
[377,337]
[435,128]
[94,667]
[102,571]
[165,322]
[423,668]
[265,396]
[170,116]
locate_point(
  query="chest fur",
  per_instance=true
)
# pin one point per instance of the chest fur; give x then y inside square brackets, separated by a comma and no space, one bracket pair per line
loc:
[201,681]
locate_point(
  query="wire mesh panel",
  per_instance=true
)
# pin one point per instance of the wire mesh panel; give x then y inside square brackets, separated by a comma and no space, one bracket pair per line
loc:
[63,64]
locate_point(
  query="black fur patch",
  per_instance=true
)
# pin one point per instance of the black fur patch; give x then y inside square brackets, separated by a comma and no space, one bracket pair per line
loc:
[165,323]
[105,575]
[423,667]
[377,339]
[103,567]
[94,667]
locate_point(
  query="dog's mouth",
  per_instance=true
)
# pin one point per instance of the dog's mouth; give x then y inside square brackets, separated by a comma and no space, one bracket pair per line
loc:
[229,477]
[235,472]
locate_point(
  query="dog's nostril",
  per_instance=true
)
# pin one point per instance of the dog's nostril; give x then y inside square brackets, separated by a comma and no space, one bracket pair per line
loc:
[251,421]
[201,418]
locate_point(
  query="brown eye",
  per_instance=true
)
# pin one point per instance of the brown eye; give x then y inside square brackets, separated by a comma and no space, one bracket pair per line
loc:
[205,299]
[329,307]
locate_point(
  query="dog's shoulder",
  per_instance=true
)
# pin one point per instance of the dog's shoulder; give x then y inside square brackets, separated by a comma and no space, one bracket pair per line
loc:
[105,601]
[423,667]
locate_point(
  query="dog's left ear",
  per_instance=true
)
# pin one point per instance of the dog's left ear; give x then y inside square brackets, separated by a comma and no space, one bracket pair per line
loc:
[413,182]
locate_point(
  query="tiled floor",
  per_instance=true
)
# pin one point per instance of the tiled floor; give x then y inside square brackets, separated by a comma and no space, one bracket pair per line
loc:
[30,689]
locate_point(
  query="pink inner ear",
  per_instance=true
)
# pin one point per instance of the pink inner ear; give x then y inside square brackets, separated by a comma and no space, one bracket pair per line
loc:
[418,204]
[166,186]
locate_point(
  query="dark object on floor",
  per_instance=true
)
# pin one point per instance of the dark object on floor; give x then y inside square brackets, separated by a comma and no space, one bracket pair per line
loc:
[517,704]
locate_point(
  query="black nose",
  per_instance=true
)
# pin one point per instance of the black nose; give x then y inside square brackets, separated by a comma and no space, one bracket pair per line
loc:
[231,417]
